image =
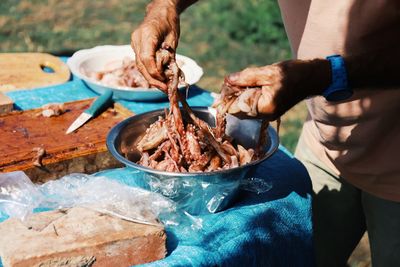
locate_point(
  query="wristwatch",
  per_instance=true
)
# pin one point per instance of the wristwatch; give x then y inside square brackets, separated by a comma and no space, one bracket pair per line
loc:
[339,89]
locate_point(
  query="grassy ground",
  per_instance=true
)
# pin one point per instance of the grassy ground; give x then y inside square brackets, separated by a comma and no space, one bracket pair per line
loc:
[222,36]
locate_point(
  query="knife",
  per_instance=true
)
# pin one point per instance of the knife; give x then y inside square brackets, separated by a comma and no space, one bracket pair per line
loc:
[95,109]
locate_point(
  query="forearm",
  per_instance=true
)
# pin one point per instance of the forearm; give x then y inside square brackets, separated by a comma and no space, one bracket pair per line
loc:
[377,69]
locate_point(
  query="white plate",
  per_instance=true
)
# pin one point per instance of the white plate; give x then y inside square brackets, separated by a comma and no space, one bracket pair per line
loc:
[95,59]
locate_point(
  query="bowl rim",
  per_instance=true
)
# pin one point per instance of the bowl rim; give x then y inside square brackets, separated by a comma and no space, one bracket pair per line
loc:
[79,57]
[114,133]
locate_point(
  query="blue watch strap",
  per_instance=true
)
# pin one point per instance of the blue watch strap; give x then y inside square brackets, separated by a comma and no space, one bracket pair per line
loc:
[339,89]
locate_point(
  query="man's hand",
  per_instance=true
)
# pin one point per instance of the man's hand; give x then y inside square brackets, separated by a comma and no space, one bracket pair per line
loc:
[161,25]
[282,85]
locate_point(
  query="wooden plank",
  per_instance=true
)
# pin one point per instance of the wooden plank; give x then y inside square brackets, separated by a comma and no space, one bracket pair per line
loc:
[81,151]
[25,71]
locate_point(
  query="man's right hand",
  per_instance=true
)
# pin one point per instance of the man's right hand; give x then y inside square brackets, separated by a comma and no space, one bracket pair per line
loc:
[160,25]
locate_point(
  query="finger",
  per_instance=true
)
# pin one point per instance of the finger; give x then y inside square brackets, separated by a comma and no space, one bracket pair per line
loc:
[148,59]
[246,78]
[145,43]
[153,82]
[136,45]
[228,90]
[266,105]
[251,77]
[172,40]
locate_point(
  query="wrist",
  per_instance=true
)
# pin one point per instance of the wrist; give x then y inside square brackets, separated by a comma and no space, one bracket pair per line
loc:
[307,77]
[319,76]
[161,9]
[176,6]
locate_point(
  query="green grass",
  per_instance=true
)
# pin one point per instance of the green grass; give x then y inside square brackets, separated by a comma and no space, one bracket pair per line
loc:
[222,36]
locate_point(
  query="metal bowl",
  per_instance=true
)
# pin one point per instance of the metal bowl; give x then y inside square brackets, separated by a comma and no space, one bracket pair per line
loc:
[197,193]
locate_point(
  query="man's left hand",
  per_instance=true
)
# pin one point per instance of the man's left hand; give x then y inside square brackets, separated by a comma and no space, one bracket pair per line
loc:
[283,84]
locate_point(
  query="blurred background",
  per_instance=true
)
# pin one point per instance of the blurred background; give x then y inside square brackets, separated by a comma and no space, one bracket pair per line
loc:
[222,36]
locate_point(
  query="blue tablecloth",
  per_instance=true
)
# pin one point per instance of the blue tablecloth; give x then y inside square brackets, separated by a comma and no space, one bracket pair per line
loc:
[269,229]
[75,89]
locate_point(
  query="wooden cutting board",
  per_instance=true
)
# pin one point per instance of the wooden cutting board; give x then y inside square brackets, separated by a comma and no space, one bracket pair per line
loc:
[83,151]
[28,70]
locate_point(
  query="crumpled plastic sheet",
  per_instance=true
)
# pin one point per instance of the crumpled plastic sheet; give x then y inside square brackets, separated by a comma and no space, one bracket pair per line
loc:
[18,195]
[137,197]
[190,194]
[19,198]
[195,196]
[199,197]
[107,196]
[255,185]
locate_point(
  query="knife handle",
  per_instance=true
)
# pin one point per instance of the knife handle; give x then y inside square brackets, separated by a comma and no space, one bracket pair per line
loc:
[100,103]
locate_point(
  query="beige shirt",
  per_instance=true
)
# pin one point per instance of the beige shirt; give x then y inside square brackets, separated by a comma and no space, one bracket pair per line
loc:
[359,139]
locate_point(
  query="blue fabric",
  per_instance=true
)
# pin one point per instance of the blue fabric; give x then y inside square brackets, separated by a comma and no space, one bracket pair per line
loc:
[269,229]
[75,89]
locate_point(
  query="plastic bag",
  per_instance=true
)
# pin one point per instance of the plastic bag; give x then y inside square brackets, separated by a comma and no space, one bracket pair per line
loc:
[106,196]
[19,197]
[255,185]
[193,194]
[202,196]
[173,201]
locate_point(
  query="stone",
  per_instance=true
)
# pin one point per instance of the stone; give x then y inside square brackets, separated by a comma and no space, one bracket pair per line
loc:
[79,237]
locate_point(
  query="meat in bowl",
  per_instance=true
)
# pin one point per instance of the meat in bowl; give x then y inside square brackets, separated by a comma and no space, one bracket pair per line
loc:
[174,145]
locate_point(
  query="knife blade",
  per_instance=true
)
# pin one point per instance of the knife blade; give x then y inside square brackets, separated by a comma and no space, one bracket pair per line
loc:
[95,109]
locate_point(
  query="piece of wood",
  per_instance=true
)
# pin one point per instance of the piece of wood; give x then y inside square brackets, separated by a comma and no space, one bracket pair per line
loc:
[23,133]
[6,104]
[25,71]
[79,236]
